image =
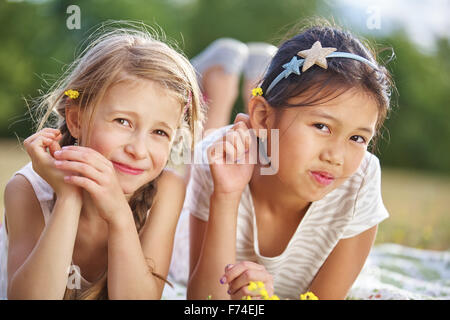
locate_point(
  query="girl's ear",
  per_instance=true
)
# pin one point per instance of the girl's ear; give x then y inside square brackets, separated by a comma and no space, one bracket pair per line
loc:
[73,116]
[260,113]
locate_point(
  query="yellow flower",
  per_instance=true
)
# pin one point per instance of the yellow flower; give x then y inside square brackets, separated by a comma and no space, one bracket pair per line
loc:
[72,94]
[257,92]
[252,286]
[264,294]
[308,296]
[274,297]
[260,284]
[246,298]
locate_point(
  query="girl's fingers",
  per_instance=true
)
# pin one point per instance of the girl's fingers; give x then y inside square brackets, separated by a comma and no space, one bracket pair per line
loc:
[54,147]
[242,117]
[85,183]
[244,292]
[222,153]
[81,168]
[85,155]
[237,269]
[52,130]
[234,147]
[243,280]
[37,138]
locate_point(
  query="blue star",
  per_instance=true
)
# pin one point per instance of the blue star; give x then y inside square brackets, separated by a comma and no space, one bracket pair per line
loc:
[292,66]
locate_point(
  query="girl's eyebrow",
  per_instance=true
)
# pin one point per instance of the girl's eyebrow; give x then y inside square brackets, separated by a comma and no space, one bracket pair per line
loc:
[329,116]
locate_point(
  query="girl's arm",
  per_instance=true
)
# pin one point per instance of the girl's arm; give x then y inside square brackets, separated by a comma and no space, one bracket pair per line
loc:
[212,247]
[213,243]
[343,265]
[132,257]
[38,257]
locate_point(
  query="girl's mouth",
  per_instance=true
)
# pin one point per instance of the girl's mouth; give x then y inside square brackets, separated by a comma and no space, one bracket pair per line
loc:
[323,178]
[126,169]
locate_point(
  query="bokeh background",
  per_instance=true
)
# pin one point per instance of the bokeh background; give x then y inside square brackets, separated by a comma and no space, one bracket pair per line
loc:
[413,37]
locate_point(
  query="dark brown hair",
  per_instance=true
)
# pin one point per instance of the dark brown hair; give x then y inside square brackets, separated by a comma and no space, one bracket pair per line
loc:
[317,84]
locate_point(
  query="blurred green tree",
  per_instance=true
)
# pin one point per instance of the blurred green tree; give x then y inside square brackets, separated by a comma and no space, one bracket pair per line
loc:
[37,45]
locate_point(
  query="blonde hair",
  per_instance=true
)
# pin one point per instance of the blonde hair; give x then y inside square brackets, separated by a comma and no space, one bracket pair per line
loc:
[117,53]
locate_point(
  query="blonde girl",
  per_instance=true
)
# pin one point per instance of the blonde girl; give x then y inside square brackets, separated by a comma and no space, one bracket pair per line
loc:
[100,205]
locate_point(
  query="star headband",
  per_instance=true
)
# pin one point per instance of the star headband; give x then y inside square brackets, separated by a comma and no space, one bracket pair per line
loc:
[315,55]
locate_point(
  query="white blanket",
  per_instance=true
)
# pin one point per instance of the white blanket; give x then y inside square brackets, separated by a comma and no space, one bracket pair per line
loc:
[391,272]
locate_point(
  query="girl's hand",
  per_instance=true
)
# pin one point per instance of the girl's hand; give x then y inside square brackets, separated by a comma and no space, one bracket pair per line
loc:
[43,161]
[232,158]
[96,175]
[238,278]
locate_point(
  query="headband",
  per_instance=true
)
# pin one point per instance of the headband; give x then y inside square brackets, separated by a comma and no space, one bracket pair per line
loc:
[315,55]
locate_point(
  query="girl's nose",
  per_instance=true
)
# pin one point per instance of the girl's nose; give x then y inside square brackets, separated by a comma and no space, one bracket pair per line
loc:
[333,154]
[136,147]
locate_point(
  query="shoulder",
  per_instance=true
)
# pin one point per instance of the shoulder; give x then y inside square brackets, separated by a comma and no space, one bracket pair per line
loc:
[167,203]
[22,207]
[170,182]
[369,166]
[170,190]
[20,192]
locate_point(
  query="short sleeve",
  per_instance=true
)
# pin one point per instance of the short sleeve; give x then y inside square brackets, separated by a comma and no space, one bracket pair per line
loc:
[369,209]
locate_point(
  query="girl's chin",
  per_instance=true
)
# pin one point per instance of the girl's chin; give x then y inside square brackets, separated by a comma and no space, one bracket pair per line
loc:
[129,191]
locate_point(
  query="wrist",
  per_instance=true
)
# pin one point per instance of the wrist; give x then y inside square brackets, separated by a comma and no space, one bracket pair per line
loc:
[121,220]
[225,204]
[70,197]
[226,196]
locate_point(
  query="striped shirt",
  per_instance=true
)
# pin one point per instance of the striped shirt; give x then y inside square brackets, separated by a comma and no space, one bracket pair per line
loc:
[345,212]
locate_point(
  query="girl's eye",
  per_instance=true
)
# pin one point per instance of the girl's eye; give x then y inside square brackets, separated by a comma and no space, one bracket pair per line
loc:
[358,139]
[161,133]
[123,122]
[321,127]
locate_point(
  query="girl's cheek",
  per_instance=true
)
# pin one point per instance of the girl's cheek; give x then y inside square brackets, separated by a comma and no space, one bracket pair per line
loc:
[160,158]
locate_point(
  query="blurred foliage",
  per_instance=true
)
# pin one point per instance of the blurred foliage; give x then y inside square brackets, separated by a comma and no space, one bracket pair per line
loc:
[36,45]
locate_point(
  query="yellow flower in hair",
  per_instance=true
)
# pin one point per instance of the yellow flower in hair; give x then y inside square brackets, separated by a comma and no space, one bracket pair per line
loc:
[308,296]
[72,94]
[257,92]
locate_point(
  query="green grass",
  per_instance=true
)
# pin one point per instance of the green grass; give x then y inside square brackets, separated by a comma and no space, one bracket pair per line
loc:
[418,202]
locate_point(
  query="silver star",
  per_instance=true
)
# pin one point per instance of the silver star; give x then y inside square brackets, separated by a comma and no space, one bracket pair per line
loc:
[292,66]
[315,55]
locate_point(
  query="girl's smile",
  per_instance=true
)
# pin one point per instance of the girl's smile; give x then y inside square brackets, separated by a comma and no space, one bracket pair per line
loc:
[323,178]
[127,169]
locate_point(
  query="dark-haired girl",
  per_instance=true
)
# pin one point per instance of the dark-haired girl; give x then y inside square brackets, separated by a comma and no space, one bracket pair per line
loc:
[300,214]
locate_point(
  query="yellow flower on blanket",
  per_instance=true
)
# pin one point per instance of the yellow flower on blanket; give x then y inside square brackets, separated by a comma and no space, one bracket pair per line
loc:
[259,287]
[252,286]
[308,296]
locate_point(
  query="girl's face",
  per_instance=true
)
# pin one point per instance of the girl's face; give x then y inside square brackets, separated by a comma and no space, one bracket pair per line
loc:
[321,146]
[133,127]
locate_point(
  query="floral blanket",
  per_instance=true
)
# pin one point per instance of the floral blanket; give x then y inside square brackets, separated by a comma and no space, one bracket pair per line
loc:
[391,272]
